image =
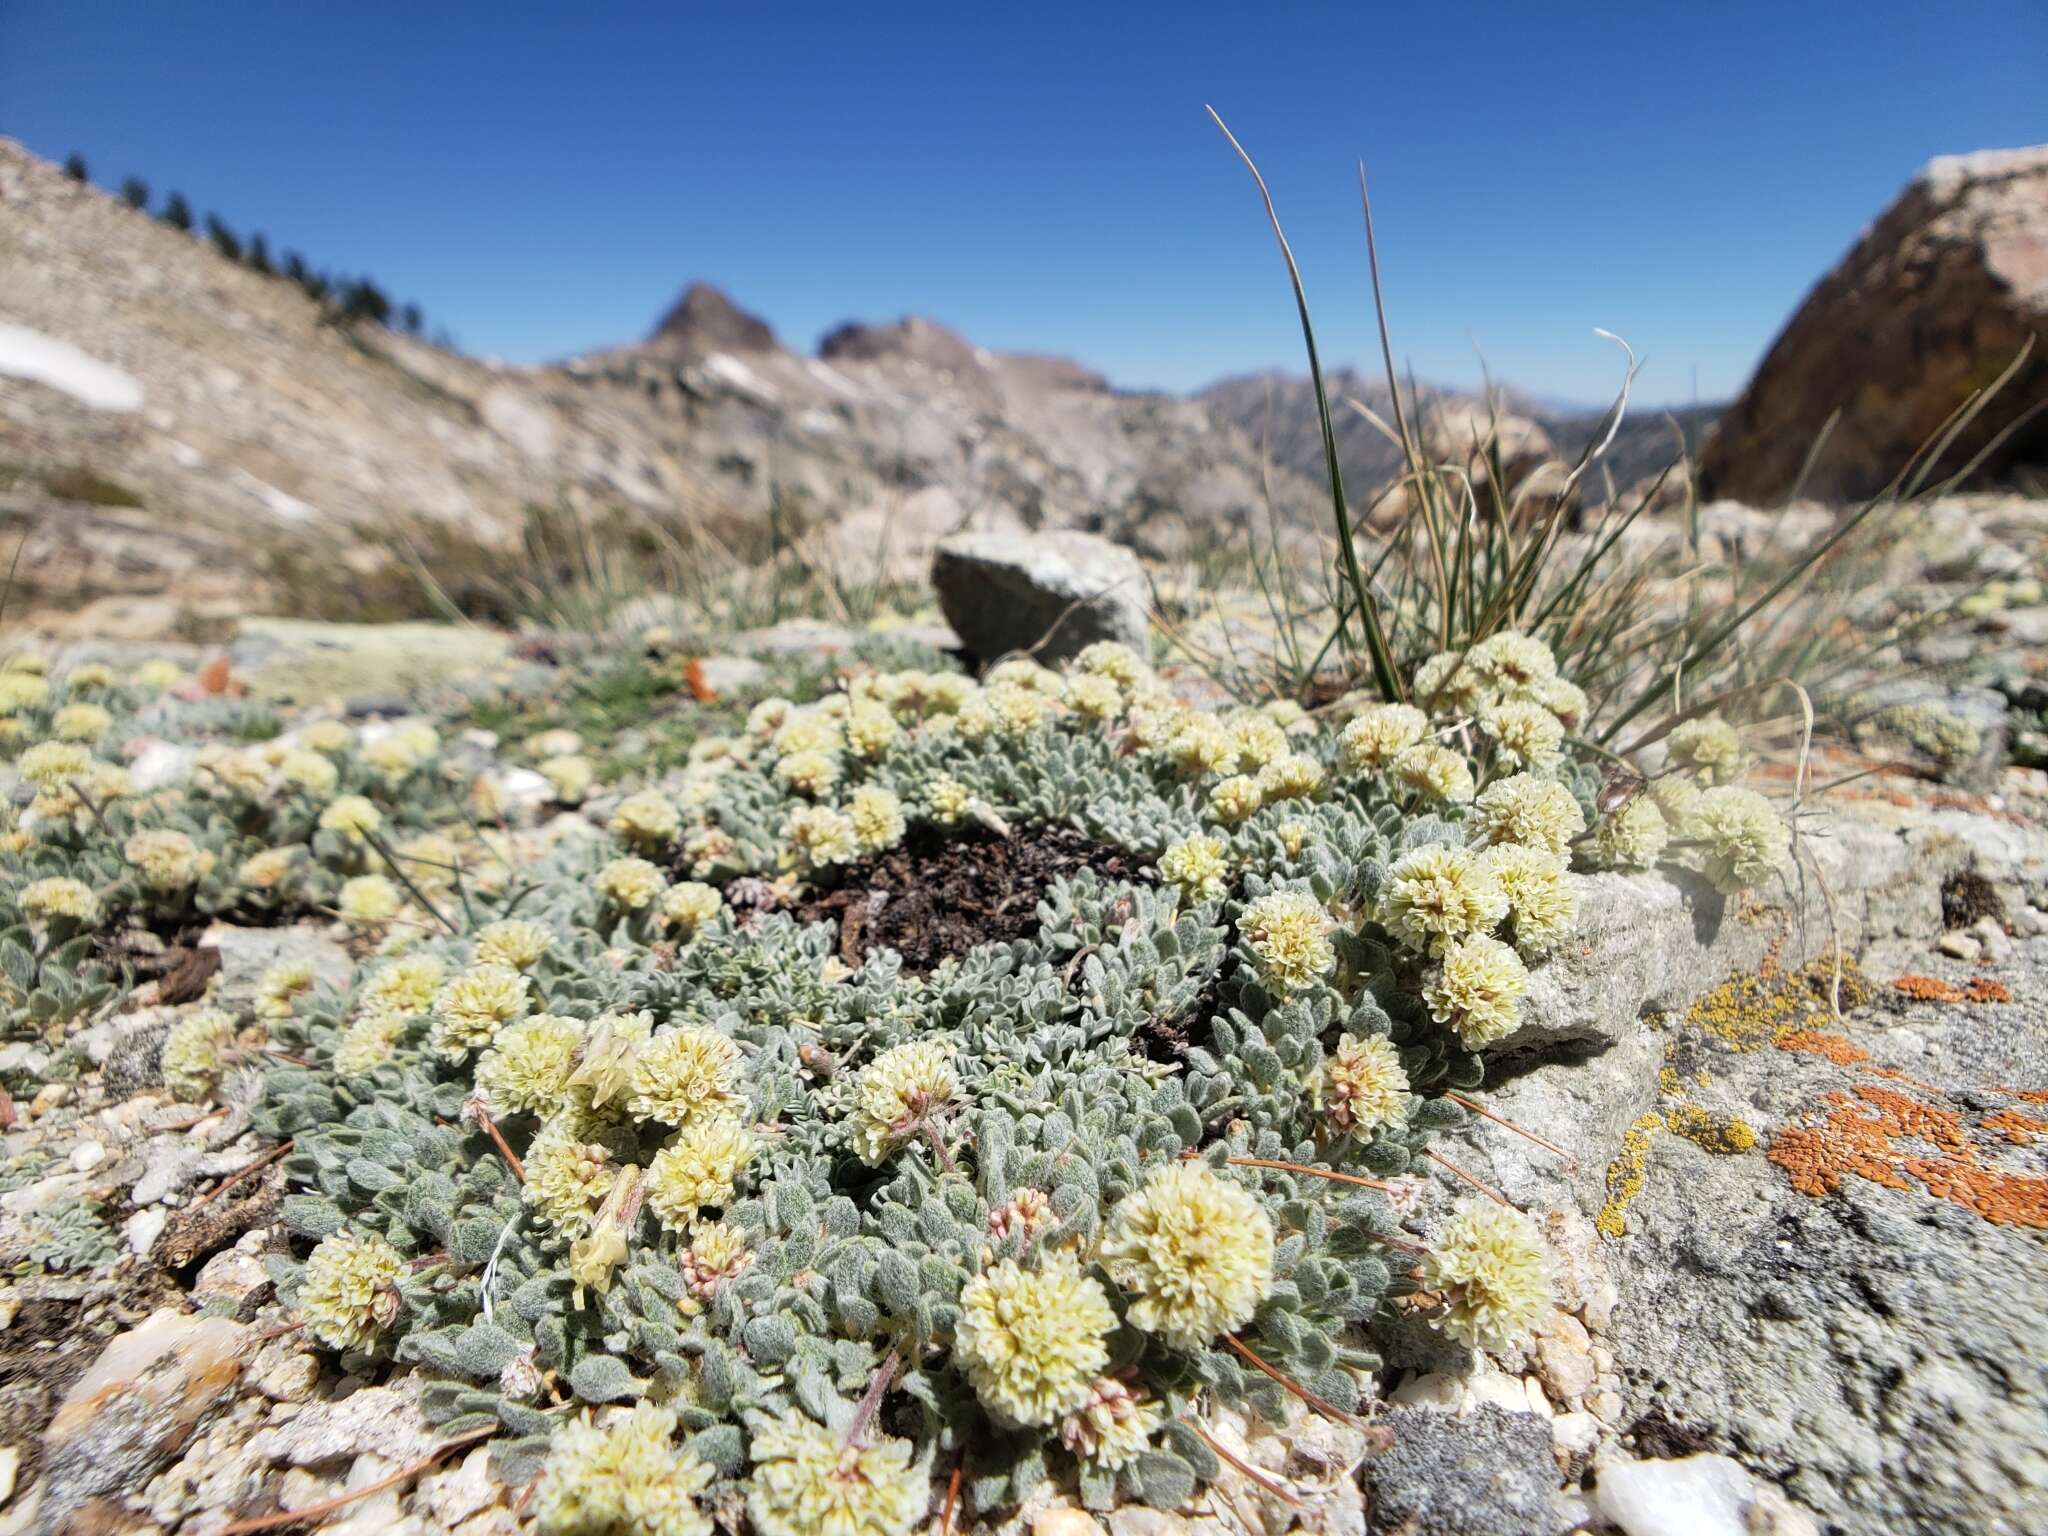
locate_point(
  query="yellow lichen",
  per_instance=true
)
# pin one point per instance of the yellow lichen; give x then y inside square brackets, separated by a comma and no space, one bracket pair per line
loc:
[1625,1176]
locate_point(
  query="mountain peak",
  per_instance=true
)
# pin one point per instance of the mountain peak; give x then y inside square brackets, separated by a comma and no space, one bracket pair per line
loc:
[705,319]
[913,337]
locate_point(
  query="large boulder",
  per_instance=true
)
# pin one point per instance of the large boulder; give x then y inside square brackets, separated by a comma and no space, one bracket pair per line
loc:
[1934,301]
[1048,594]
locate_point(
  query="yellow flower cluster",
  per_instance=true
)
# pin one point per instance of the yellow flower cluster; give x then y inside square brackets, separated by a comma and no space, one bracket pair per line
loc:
[1199,866]
[1364,1085]
[471,1009]
[1633,837]
[349,1293]
[1739,839]
[527,1064]
[1289,934]
[351,816]
[819,837]
[1380,733]
[1492,1268]
[697,1169]
[369,900]
[898,1093]
[191,1057]
[59,896]
[81,722]
[685,1075]
[280,985]
[647,819]
[631,883]
[1437,894]
[512,942]
[566,1177]
[1522,808]
[624,1478]
[167,860]
[1542,904]
[808,1482]
[1032,1341]
[1193,1251]
[690,906]
[1478,989]
[877,817]
[1710,747]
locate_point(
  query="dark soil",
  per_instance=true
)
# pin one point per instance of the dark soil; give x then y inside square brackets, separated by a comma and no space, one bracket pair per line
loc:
[1967,897]
[1660,1438]
[935,899]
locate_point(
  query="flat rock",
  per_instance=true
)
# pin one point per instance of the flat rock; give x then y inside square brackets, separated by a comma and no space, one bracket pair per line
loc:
[137,1406]
[1046,593]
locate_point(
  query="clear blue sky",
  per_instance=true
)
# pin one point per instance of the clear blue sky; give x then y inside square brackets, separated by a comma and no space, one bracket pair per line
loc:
[543,178]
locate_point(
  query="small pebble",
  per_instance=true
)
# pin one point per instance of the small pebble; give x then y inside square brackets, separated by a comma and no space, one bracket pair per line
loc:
[1960,945]
[48,1097]
[145,1227]
[1988,934]
[87,1155]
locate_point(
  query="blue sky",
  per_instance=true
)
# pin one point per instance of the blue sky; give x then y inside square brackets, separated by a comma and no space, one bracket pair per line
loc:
[544,178]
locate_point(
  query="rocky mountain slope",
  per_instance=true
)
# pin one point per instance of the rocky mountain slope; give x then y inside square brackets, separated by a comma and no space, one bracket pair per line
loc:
[1279,409]
[169,421]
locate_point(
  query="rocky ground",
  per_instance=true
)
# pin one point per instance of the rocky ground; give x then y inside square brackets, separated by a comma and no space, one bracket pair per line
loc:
[1800,1251]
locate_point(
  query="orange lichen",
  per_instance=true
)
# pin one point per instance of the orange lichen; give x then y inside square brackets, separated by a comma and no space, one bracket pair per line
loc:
[1927,989]
[1861,1135]
[1982,989]
[1747,1013]
[2016,1127]
[1833,1047]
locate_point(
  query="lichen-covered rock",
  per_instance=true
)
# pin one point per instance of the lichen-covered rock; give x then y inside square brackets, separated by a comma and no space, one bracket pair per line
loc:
[136,1407]
[1487,1473]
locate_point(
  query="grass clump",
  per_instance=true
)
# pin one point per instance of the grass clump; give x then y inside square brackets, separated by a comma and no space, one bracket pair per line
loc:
[1658,622]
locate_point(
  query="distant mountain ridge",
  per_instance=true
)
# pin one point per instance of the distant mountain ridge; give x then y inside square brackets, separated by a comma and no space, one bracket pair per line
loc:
[202,421]
[1277,410]
[200,417]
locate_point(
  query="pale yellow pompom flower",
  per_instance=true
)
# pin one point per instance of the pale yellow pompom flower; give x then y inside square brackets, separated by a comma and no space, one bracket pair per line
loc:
[1288,932]
[1364,1086]
[1478,990]
[1379,733]
[648,819]
[685,1075]
[349,1294]
[1439,893]
[471,1009]
[1032,1341]
[631,883]
[1493,1271]
[1522,808]
[877,817]
[697,1169]
[513,942]
[809,1482]
[1193,1251]
[899,1093]
[624,1478]
[1197,865]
